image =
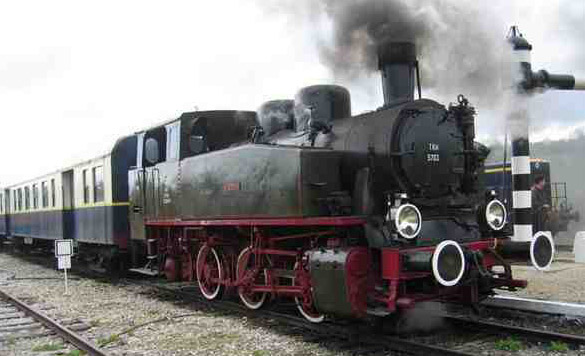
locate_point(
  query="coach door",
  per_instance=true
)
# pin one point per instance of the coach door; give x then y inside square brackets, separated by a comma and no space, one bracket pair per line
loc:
[136,184]
[154,154]
[153,183]
[68,204]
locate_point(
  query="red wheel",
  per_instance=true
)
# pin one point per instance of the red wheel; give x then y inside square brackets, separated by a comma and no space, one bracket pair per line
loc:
[171,269]
[248,273]
[209,272]
[305,304]
[186,267]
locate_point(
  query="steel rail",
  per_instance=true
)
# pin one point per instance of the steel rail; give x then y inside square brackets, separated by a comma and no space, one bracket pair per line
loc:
[67,334]
[505,329]
[392,343]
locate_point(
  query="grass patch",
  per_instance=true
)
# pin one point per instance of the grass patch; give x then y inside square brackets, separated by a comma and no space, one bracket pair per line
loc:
[260,353]
[74,353]
[509,344]
[108,340]
[47,347]
[558,346]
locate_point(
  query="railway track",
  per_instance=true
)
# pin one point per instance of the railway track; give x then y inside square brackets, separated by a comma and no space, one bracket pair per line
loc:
[355,338]
[362,338]
[21,320]
[501,329]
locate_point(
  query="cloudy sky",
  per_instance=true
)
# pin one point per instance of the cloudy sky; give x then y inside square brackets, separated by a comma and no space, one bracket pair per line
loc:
[76,75]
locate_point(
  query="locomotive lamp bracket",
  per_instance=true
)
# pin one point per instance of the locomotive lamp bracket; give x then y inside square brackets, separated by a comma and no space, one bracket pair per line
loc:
[403,218]
[393,202]
[490,195]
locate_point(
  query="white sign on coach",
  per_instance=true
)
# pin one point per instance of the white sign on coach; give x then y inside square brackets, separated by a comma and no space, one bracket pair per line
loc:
[63,252]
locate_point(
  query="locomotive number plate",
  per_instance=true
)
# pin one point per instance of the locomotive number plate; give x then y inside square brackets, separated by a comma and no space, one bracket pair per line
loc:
[434,149]
[432,157]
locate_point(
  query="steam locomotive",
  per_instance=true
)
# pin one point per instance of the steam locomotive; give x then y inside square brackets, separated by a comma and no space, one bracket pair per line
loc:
[348,215]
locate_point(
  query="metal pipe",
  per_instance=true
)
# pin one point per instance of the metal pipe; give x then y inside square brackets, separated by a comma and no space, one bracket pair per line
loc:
[544,79]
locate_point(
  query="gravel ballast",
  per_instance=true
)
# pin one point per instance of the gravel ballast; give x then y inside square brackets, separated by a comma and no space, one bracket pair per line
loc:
[129,319]
[121,316]
[564,281]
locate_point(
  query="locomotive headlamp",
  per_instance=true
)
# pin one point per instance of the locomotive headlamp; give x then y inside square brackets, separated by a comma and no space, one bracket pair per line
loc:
[495,214]
[408,221]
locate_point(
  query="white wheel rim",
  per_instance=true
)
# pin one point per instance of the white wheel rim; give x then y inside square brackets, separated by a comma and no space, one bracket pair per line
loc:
[299,303]
[435,263]
[532,245]
[312,319]
[215,293]
[247,303]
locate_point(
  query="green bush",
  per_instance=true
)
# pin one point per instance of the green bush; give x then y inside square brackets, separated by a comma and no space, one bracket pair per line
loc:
[509,344]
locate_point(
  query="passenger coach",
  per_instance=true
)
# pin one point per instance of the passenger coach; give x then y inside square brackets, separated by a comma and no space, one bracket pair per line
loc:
[87,202]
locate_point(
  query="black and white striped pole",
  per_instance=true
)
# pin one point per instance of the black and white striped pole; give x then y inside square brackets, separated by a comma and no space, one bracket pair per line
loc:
[524,82]
[518,124]
[537,244]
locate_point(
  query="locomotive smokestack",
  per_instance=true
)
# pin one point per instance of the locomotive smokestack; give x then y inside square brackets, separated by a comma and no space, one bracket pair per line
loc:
[398,64]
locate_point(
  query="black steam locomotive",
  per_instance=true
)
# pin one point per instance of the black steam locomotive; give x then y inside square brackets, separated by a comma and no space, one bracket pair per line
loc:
[348,215]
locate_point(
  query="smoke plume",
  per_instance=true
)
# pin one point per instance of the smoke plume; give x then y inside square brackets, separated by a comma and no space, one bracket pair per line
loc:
[459,50]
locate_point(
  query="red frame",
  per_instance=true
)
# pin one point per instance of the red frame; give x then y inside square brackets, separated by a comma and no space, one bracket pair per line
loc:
[261,222]
[391,258]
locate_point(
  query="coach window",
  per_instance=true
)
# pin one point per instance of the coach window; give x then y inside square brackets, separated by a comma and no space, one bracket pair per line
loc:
[19,199]
[35,194]
[53,192]
[1,204]
[44,194]
[85,187]
[98,184]
[15,202]
[26,198]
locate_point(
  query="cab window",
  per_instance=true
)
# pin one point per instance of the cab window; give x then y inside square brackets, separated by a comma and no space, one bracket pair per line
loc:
[155,147]
[173,140]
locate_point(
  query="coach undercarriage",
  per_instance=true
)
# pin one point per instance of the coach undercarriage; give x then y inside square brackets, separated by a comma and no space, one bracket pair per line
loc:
[324,264]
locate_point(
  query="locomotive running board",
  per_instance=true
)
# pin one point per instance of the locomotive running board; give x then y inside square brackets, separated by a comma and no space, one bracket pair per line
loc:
[146,271]
[149,269]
